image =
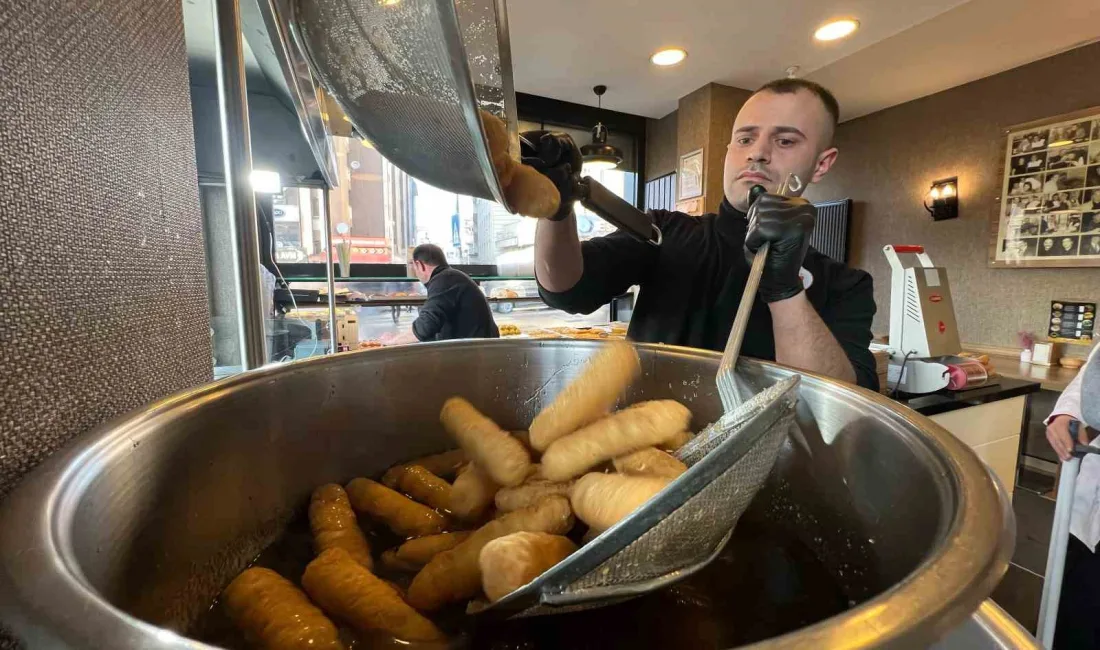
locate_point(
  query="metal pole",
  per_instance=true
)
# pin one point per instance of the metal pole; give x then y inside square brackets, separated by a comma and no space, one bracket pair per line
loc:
[329,273]
[1056,555]
[237,160]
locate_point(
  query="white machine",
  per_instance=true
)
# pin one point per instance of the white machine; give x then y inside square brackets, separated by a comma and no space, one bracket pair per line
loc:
[347,330]
[924,338]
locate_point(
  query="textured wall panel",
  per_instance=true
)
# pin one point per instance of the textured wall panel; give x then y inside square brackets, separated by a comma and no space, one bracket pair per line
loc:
[102,282]
[725,102]
[660,146]
[889,159]
[704,120]
[102,276]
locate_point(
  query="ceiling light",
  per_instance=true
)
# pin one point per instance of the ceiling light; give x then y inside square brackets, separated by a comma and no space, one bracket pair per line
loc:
[598,154]
[831,31]
[668,56]
[594,165]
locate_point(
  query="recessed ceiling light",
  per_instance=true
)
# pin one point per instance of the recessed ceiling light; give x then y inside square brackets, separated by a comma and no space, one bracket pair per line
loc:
[833,30]
[668,56]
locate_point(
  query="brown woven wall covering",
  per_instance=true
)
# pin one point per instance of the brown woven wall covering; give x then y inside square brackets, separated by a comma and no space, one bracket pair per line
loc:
[102,276]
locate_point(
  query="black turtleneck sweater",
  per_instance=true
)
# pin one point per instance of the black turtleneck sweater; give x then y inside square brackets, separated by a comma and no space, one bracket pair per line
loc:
[692,283]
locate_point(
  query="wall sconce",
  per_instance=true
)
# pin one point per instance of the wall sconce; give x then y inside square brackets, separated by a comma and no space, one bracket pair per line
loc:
[945,199]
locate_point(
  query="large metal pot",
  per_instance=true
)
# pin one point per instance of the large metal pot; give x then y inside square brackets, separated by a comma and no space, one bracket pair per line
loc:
[133,529]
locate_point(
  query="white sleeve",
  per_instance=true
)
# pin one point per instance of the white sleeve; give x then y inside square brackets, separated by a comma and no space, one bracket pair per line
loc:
[1069,403]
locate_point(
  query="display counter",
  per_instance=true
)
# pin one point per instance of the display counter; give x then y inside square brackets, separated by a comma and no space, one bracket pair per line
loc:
[370,310]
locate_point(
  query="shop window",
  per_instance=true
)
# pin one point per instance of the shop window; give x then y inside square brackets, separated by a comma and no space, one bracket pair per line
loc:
[387,213]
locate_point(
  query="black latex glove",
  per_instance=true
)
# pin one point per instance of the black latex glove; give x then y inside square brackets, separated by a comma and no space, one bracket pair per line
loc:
[785,223]
[557,157]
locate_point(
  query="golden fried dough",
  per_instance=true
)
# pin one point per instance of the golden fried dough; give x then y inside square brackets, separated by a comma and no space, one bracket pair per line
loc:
[500,147]
[532,194]
[421,550]
[423,486]
[472,493]
[334,524]
[525,438]
[601,500]
[351,593]
[649,461]
[273,614]
[444,465]
[529,493]
[456,575]
[642,425]
[394,563]
[589,397]
[509,562]
[403,515]
[502,457]
[676,441]
[528,192]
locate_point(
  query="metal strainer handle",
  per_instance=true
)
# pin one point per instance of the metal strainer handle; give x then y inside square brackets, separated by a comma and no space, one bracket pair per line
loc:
[618,212]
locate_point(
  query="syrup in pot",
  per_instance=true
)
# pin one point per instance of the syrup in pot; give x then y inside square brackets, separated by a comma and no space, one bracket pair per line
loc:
[765,583]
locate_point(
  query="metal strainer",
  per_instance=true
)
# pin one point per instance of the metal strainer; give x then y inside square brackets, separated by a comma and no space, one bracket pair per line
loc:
[683,528]
[411,75]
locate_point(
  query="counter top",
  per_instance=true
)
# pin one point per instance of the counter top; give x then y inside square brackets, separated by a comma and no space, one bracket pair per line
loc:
[944,401]
[1050,377]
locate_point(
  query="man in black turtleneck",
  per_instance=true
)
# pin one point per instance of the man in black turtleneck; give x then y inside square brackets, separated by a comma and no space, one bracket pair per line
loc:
[811,312]
[455,309]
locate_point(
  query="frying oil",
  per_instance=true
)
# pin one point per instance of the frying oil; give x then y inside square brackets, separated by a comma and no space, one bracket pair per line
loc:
[759,587]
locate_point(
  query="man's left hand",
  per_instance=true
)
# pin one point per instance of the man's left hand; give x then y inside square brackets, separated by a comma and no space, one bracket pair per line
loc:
[785,223]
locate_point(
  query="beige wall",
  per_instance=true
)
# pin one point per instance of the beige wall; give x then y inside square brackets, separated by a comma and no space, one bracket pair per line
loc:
[889,158]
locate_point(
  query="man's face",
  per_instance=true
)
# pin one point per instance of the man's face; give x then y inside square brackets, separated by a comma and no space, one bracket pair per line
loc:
[421,270]
[776,134]
[1048,244]
[1067,244]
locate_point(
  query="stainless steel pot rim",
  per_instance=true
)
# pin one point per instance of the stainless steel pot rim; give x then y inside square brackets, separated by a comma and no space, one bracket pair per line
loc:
[940,587]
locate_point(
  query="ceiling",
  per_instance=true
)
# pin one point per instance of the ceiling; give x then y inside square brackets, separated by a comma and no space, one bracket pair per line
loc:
[904,49]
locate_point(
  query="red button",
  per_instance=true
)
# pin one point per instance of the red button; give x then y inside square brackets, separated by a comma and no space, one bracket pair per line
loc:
[943,328]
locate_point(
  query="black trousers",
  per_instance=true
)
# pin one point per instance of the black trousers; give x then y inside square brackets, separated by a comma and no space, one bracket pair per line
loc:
[1078,626]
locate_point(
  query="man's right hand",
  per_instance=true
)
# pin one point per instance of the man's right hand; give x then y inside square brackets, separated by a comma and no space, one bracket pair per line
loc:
[1059,437]
[556,156]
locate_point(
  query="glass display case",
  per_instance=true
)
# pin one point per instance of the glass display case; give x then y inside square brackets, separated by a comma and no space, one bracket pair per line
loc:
[376,216]
[371,311]
[360,234]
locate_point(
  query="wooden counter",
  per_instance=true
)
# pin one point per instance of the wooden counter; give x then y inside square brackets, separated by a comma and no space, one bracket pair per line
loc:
[1050,377]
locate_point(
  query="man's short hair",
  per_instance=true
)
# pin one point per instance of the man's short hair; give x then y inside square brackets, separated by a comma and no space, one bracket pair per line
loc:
[790,85]
[429,254]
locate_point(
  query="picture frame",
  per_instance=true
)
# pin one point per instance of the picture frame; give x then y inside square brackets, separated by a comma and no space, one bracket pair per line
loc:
[1048,210]
[693,207]
[690,175]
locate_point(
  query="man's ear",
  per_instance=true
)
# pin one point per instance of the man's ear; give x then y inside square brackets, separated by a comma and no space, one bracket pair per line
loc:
[825,162]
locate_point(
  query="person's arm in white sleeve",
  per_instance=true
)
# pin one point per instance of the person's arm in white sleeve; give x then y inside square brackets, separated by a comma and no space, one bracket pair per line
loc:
[1066,410]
